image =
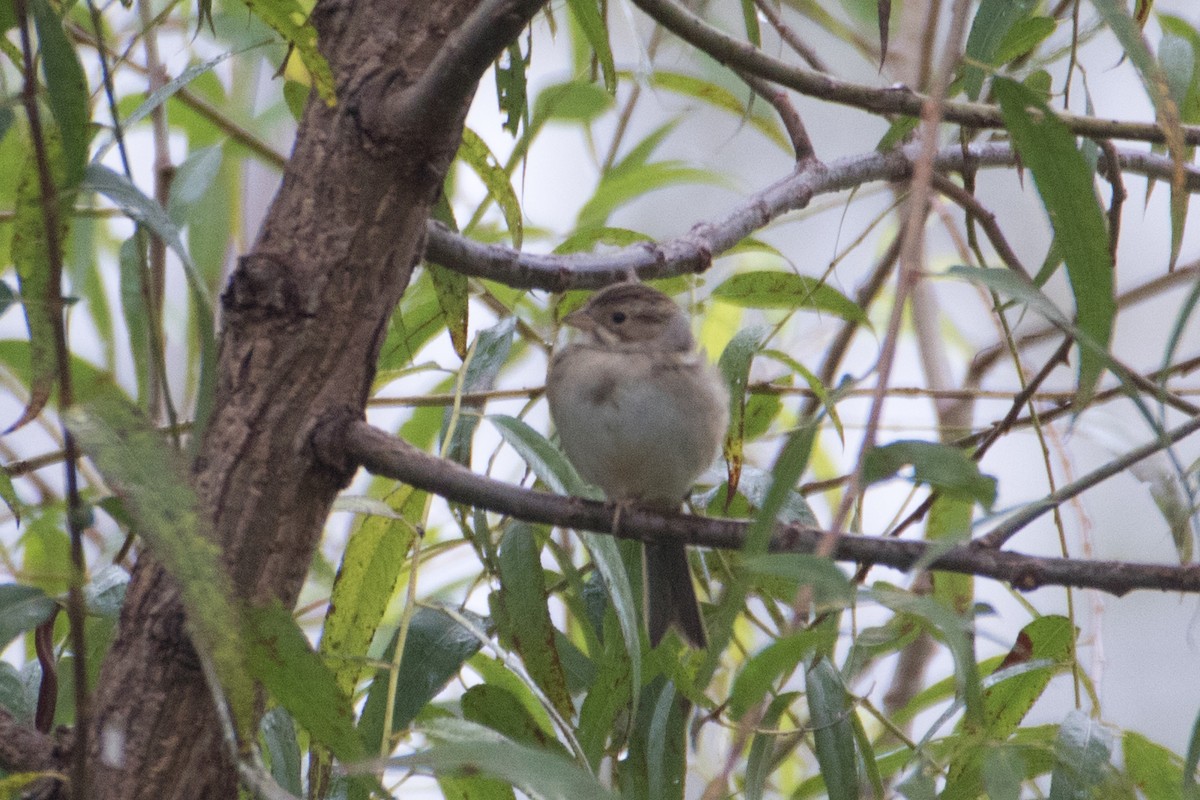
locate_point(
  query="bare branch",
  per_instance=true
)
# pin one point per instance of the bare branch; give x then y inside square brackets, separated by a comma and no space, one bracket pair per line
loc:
[745,57]
[1006,530]
[694,251]
[802,48]
[801,145]
[342,441]
[986,219]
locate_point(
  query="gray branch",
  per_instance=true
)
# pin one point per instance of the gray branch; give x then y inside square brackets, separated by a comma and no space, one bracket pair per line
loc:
[695,250]
[347,441]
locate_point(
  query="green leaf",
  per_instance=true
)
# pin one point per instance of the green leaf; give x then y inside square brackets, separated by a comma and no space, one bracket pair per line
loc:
[1002,773]
[1129,33]
[735,369]
[952,629]
[1024,36]
[131,260]
[417,319]
[292,20]
[523,616]
[829,710]
[584,239]
[40,289]
[511,87]
[1083,749]
[1190,789]
[606,556]
[586,14]
[47,552]
[22,608]
[104,594]
[662,740]
[1185,89]
[8,493]
[547,461]
[67,92]
[500,710]
[280,657]
[490,351]
[573,101]
[475,153]
[152,480]
[1046,640]
[774,662]
[609,697]
[1154,769]
[17,697]
[618,187]
[1064,181]
[787,290]
[434,652]
[993,21]
[949,524]
[193,178]
[750,17]
[453,299]
[164,93]
[815,386]
[720,97]
[366,579]
[278,733]
[462,747]
[944,467]
[142,209]
[762,747]
[831,588]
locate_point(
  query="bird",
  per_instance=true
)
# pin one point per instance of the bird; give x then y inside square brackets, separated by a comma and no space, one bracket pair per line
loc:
[641,413]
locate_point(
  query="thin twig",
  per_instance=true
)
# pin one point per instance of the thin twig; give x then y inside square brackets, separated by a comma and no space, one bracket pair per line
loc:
[911,249]
[986,219]
[1118,197]
[801,145]
[54,259]
[789,36]
[1006,530]
[893,100]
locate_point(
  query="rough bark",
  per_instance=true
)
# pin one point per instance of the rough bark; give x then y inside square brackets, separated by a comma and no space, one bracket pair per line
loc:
[303,319]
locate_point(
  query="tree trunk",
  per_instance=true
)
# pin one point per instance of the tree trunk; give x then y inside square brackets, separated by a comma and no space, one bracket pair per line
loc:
[303,318]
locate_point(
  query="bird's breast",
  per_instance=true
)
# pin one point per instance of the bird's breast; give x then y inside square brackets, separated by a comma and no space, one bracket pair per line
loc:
[639,426]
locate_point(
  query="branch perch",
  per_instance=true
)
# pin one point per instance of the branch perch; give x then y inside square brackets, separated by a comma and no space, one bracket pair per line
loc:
[346,440]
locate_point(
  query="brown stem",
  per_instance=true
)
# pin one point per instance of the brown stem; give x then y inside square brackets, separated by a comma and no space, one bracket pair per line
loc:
[694,251]
[54,258]
[342,442]
[893,100]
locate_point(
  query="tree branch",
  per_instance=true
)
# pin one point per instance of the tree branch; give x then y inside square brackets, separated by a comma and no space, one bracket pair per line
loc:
[345,441]
[435,101]
[694,251]
[1010,527]
[743,56]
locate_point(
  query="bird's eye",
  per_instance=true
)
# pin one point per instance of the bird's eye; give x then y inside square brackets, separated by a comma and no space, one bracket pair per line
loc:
[618,317]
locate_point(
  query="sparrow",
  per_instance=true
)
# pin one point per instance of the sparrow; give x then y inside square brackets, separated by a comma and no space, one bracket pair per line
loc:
[641,414]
